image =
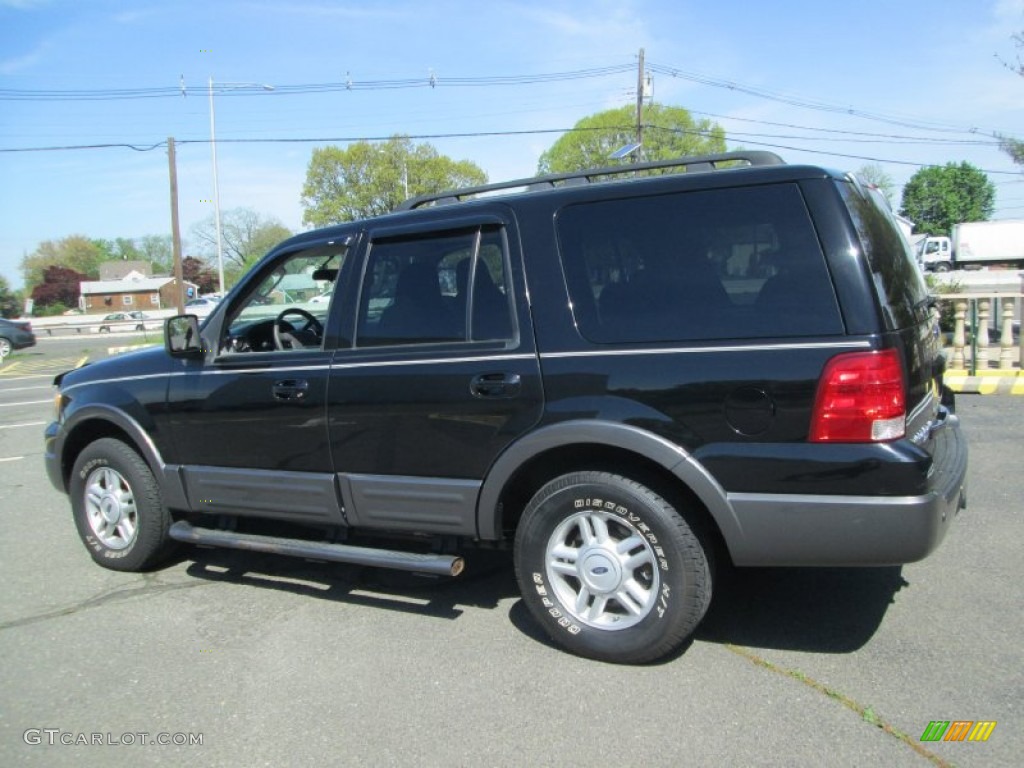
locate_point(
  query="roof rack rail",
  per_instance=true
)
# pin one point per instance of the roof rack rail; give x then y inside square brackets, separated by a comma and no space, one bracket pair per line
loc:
[549,181]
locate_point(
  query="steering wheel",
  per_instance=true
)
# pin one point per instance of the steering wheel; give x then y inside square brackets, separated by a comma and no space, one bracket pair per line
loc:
[290,339]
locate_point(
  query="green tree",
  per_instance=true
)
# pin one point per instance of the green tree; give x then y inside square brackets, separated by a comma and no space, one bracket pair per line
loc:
[10,302]
[669,132]
[365,179]
[76,252]
[937,197]
[119,249]
[158,250]
[246,236]
[874,174]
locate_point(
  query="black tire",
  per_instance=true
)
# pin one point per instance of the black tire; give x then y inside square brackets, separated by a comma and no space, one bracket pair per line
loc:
[942,266]
[631,607]
[5,347]
[117,506]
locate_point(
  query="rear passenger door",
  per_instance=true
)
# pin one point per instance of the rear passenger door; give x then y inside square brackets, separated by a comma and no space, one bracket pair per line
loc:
[442,373]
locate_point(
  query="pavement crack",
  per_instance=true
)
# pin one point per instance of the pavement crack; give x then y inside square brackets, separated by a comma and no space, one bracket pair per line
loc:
[867,714]
[150,586]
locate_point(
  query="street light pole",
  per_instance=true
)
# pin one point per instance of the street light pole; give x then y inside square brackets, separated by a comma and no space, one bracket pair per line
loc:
[216,185]
[216,195]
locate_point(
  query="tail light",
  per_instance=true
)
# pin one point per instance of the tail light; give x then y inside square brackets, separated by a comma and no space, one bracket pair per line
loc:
[861,399]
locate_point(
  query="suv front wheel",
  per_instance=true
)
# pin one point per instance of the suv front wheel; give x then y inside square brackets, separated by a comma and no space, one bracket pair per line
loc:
[117,507]
[610,569]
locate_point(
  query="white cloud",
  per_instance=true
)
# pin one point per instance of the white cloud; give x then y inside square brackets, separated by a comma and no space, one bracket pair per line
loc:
[25,61]
[23,5]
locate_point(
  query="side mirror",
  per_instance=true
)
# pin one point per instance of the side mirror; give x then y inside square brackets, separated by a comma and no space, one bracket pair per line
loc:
[181,336]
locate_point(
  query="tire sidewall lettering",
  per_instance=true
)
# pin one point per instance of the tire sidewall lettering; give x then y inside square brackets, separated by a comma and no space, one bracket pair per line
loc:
[89,466]
[584,503]
[551,606]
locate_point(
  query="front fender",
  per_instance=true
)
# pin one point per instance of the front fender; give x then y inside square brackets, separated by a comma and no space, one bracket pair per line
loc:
[102,419]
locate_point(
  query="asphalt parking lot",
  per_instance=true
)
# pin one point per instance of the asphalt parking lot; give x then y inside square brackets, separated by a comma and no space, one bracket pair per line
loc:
[273,661]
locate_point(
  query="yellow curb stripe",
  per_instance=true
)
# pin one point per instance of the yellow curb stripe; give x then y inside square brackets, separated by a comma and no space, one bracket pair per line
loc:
[988,387]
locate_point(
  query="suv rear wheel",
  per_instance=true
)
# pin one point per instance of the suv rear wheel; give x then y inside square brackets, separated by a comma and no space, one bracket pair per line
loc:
[610,569]
[117,507]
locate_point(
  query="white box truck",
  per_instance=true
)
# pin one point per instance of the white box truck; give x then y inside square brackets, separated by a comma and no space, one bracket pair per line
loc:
[975,244]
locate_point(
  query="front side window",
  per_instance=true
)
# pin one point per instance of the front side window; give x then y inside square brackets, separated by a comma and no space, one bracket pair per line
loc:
[285,310]
[714,264]
[436,288]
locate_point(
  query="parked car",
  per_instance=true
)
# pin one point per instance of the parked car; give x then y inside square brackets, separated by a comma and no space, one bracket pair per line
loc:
[623,379]
[127,321]
[202,306]
[15,334]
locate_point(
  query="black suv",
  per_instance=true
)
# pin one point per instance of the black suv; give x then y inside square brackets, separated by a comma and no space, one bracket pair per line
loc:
[624,375]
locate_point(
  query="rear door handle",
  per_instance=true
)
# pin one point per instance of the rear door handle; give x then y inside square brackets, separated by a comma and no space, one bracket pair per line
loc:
[290,389]
[496,385]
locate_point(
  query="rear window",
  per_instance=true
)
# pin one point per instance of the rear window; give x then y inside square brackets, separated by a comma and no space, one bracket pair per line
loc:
[898,281]
[712,264]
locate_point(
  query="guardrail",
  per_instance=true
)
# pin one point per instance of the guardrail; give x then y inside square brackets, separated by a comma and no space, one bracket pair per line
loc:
[76,324]
[978,318]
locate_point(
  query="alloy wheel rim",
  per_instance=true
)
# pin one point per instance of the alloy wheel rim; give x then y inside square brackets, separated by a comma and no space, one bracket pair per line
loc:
[603,570]
[110,508]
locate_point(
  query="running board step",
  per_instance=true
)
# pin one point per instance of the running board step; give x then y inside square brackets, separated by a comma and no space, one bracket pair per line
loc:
[445,565]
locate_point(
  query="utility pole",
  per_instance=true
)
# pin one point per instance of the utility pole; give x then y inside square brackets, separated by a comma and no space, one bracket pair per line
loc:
[639,108]
[179,277]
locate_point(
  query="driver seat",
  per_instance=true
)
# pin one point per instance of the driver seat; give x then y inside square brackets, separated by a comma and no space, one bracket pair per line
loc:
[419,312]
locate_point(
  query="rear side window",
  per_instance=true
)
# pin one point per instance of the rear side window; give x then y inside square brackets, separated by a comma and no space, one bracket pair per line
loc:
[898,281]
[713,264]
[437,288]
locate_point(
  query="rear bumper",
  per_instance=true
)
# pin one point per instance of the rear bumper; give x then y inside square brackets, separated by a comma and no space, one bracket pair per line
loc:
[820,530]
[22,340]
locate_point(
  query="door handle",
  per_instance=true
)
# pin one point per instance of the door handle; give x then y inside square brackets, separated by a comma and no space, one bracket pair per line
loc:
[496,385]
[290,389]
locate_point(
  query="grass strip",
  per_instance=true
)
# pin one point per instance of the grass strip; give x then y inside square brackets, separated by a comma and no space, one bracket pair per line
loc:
[867,714]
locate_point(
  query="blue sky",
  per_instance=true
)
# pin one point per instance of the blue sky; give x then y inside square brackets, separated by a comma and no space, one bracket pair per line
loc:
[929,68]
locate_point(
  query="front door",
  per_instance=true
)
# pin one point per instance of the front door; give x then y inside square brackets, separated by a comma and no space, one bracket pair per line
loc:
[249,421]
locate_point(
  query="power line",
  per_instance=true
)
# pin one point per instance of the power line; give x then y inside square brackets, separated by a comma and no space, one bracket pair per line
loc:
[349,84]
[848,156]
[807,103]
[73,147]
[839,131]
[305,140]
[433,81]
[475,134]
